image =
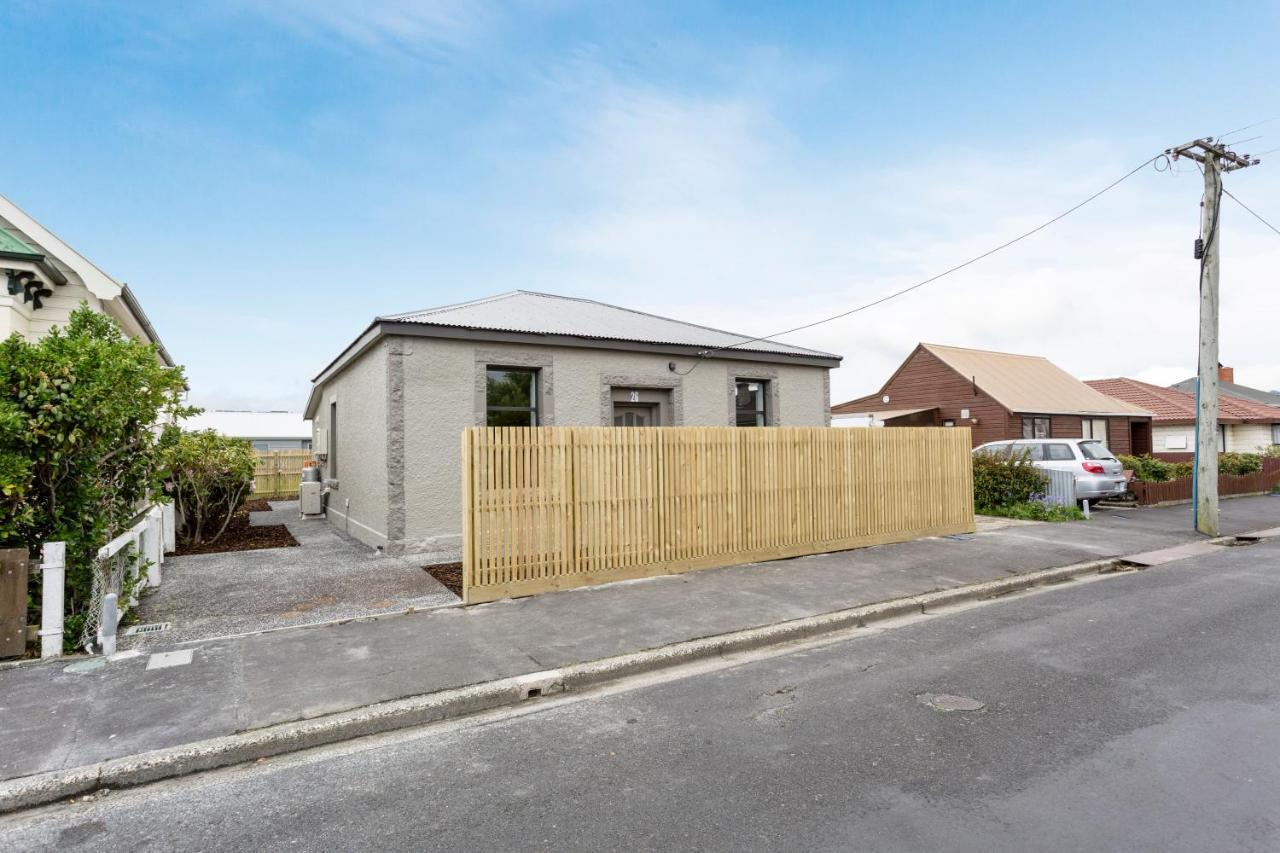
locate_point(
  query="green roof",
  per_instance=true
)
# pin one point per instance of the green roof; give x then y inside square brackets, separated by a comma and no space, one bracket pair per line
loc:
[11,244]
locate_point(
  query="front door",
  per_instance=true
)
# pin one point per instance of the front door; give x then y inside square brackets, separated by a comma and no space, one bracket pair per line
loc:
[635,415]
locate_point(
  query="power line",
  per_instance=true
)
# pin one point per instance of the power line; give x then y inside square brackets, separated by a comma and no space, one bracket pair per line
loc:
[1251,211]
[883,299]
[1246,127]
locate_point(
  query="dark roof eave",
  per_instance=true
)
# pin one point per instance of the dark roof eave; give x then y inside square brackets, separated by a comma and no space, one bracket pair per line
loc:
[433,330]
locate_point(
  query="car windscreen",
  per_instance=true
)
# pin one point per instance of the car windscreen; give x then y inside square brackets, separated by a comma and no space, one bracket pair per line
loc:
[1095,450]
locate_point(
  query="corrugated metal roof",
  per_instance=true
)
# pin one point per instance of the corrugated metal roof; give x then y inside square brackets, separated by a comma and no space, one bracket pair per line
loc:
[1169,405]
[1030,383]
[548,314]
[1244,392]
[250,424]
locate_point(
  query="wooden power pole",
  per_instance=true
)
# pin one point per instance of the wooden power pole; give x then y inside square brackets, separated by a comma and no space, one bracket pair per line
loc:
[1215,159]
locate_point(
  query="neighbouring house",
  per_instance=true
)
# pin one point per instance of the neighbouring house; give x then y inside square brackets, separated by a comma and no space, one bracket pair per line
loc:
[389,411]
[265,430]
[45,280]
[1227,385]
[999,396]
[1243,425]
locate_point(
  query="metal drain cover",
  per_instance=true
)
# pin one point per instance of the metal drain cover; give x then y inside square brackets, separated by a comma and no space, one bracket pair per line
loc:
[950,702]
[149,628]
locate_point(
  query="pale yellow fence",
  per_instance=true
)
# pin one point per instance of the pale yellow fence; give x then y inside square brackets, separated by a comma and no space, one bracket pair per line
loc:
[279,471]
[561,507]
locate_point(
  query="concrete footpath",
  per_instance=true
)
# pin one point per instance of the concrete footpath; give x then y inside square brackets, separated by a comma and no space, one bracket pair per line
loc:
[64,715]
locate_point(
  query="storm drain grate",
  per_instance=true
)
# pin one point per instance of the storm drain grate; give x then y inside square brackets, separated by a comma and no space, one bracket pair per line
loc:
[149,628]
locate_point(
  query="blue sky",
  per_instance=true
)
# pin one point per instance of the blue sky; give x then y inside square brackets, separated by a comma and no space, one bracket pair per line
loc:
[268,176]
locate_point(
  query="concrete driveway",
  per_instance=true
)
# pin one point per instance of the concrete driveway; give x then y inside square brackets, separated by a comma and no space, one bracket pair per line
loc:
[327,577]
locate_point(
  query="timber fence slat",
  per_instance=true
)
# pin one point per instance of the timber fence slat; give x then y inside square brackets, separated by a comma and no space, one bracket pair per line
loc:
[560,507]
[278,472]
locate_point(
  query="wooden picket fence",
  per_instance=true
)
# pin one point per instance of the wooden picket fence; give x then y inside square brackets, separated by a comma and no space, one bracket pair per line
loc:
[560,507]
[279,472]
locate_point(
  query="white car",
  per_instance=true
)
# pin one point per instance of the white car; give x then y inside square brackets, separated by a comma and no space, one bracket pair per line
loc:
[1098,473]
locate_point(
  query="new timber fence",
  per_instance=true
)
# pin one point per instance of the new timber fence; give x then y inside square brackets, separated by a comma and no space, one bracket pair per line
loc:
[559,507]
[279,472]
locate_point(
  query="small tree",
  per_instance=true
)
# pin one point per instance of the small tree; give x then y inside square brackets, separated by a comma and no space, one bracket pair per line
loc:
[78,440]
[209,476]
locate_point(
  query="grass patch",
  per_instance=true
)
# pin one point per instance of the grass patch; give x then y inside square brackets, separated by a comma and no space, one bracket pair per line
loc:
[1034,511]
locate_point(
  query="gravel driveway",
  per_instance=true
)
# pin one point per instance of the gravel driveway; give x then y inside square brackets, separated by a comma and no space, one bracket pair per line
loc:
[327,577]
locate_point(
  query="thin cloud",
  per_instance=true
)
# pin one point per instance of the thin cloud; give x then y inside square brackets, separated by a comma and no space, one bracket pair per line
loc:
[406,28]
[701,208]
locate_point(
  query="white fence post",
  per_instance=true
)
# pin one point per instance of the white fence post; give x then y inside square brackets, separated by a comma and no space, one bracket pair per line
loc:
[107,624]
[153,544]
[53,574]
[170,528]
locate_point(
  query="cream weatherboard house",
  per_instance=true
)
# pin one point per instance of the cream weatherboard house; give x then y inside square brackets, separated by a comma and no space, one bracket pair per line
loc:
[45,280]
[389,411]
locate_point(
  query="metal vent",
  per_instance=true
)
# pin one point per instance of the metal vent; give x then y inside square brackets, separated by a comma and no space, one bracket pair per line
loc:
[150,628]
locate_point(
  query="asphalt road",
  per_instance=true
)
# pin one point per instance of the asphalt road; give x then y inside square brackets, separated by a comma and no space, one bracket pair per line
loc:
[1136,712]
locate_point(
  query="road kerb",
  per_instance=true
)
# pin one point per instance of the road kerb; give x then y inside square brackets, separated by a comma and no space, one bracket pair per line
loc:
[283,738]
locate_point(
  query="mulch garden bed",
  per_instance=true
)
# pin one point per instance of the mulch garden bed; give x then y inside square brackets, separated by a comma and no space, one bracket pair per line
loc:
[257,505]
[241,536]
[449,574]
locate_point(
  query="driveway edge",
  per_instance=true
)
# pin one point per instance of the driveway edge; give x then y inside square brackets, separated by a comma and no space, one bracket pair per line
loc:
[283,738]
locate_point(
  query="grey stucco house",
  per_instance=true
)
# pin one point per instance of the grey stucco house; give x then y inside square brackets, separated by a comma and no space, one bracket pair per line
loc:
[389,411]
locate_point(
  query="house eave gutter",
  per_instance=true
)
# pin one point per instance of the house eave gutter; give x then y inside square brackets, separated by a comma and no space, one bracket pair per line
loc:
[1084,414]
[136,309]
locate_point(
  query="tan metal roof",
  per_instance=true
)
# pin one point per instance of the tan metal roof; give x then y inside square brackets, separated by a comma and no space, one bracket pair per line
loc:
[1031,384]
[883,414]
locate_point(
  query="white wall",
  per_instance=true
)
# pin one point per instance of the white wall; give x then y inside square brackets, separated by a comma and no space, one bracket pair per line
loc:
[358,505]
[1249,438]
[1160,436]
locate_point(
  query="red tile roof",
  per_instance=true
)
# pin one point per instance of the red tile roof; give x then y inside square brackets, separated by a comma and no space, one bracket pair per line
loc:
[1171,406]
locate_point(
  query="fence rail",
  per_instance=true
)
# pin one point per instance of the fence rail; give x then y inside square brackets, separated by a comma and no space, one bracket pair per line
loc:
[279,471]
[561,507]
[1228,484]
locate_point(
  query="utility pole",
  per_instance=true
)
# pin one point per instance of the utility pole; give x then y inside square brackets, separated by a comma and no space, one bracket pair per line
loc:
[1215,159]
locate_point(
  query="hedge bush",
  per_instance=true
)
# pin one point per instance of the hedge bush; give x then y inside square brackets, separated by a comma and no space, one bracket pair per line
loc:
[1151,470]
[78,444]
[1239,463]
[999,481]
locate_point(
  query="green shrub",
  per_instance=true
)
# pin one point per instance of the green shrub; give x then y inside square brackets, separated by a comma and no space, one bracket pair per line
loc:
[1239,463]
[1000,481]
[209,475]
[1037,511]
[1272,451]
[1148,469]
[77,444]
[1151,470]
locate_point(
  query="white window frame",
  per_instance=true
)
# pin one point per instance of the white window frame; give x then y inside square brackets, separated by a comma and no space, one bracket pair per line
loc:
[1089,428]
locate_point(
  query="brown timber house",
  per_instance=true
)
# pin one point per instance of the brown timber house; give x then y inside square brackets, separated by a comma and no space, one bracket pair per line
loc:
[1000,396]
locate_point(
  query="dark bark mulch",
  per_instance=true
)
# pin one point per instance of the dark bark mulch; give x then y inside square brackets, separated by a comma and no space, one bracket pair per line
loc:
[449,574]
[240,536]
[257,505]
